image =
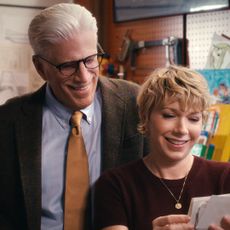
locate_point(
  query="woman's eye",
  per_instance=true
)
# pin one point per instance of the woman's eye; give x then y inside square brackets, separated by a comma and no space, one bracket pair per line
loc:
[194,119]
[168,115]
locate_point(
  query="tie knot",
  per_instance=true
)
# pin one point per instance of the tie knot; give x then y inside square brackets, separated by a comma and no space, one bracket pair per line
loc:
[76,119]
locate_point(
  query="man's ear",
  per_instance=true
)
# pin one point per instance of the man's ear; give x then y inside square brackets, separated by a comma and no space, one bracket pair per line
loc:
[39,67]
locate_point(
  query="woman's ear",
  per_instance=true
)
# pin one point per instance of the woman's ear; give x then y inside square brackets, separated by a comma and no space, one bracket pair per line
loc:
[39,67]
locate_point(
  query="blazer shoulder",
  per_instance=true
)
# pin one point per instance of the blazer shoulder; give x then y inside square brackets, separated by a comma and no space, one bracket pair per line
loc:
[14,106]
[124,88]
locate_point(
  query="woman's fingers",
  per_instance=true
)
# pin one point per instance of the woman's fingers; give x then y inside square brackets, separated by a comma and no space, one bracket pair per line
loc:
[172,222]
[171,219]
[225,222]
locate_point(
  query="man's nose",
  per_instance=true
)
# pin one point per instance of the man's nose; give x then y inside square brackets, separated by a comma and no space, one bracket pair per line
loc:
[82,73]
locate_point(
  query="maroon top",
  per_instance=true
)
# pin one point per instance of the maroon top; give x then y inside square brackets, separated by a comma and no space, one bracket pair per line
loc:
[132,196]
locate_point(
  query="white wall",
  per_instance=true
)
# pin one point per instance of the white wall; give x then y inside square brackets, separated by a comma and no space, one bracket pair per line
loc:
[35,3]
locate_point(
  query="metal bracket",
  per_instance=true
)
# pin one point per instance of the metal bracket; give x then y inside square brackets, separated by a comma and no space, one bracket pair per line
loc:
[172,44]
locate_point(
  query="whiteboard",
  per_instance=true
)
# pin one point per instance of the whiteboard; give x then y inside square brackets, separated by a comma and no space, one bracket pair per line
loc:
[17,73]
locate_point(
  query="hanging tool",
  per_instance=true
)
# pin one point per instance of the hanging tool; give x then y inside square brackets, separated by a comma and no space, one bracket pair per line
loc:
[173,50]
[125,46]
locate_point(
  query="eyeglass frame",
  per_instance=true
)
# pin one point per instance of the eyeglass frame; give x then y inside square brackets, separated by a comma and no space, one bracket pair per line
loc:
[77,62]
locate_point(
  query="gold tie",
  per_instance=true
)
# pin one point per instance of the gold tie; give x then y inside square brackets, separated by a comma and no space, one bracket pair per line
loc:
[77,178]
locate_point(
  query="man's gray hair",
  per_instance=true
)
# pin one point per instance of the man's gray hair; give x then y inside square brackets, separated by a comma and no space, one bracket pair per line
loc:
[59,22]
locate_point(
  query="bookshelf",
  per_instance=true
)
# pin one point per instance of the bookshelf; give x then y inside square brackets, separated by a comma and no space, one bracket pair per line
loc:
[221,138]
[214,140]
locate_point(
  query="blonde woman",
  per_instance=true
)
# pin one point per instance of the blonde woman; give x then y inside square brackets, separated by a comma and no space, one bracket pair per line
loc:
[154,193]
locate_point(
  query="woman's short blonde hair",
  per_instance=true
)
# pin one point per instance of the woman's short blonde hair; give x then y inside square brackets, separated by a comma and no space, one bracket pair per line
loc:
[170,84]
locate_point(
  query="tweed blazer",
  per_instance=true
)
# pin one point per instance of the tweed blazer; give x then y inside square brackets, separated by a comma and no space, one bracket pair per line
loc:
[20,147]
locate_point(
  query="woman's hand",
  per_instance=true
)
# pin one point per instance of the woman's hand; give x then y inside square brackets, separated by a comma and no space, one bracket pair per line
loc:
[172,222]
[224,224]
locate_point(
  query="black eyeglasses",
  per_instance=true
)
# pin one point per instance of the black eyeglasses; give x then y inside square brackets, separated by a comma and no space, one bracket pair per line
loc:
[69,68]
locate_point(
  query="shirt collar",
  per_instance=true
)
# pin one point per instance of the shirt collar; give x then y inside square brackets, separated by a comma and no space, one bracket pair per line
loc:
[88,112]
[62,113]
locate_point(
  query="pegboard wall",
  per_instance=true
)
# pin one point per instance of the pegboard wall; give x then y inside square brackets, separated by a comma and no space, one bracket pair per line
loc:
[200,30]
[195,29]
[146,59]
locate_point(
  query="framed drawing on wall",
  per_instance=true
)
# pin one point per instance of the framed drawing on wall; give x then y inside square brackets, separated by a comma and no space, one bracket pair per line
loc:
[126,10]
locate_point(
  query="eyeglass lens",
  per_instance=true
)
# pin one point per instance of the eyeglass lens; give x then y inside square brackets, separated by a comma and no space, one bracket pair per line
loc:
[91,62]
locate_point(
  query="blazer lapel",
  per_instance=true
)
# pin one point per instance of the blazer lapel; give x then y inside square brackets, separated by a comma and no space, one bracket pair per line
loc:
[28,137]
[113,115]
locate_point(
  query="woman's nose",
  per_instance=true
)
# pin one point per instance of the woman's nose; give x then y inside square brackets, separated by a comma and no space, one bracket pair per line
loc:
[181,127]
